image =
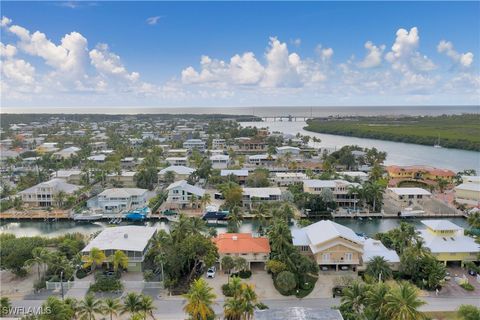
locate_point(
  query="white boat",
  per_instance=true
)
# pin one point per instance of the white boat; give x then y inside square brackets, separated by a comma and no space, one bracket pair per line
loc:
[409,212]
[87,216]
[437,145]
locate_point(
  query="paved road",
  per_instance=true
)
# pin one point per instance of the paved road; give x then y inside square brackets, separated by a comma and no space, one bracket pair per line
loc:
[172,308]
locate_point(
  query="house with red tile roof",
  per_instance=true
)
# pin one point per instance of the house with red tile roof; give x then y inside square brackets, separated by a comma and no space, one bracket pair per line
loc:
[255,250]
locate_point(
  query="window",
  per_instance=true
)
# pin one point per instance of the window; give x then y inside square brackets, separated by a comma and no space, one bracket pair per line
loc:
[326,257]
[348,256]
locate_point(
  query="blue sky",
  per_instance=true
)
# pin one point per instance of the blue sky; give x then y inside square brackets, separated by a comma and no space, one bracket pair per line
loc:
[254,53]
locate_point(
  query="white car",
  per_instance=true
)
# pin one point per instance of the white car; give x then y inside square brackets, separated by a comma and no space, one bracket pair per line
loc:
[211,272]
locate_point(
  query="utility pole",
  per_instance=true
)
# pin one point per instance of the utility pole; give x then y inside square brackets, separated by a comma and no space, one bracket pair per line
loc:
[61,283]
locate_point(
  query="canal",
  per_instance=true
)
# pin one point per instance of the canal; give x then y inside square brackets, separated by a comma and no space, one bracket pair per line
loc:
[53,229]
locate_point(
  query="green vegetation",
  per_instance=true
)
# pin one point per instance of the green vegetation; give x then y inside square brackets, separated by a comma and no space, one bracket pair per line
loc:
[104,283]
[468,312]
[397,301]
[467,286]
[455,131]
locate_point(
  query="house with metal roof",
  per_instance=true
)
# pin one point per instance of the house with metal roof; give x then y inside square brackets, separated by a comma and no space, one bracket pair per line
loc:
[448,242]
[330,244]
[45,194]
[181,172]
[180,194]
[134,241]
[254,196]
[118,199]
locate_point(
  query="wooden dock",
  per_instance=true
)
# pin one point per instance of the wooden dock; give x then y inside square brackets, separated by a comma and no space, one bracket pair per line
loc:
[35,215]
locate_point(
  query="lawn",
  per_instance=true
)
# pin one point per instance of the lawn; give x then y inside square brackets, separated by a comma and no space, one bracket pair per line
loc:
[443,315]
[453,131]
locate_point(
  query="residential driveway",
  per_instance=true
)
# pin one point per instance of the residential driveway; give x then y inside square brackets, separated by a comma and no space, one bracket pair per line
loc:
[329,279]
[80,287]
[452,289]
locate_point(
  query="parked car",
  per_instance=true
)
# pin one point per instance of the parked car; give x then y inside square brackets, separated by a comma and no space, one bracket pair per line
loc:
[337,291]
[324,268]
[472,272]
[344,268]
[211,272]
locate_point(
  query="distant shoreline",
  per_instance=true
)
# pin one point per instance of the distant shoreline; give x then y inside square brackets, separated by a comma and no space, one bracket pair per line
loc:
[448,131]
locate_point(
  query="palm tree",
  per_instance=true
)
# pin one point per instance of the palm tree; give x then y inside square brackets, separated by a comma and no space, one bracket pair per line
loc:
[235,219]
[261,214]
[60,197]
[375,301]
[89,306]
[200,299]
[5,306]
[375,191]
[146,306]
[193,200]
[233,309]
[72,303]
[355,191]
[402,303]
[94,259]
[249,300]
[131,303]
[111,307]
[354,298]
[119,259]
[40,256]
[205,200]
[378,268]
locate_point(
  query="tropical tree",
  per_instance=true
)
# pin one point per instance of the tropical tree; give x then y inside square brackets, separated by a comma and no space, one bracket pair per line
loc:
[233,309]
[58,310]
[227,264]
[469,312]
[355,191]
[73,305]
[249,300]
[205,200]
[442,184]
[60,198]
[5,306]
[378,268]
[235,219]
[89,306]
[286,281]
[375,301]
[240,263]
[111,307]
[94,259]
[131,303]
[119,260]
[375,191]
[169,176]
[402,303]
[146,306]
[40,257]
[354,298]
[200,299]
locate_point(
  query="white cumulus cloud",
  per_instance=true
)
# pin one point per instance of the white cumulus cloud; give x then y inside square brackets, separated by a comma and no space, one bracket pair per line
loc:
[373,57]
[464,59]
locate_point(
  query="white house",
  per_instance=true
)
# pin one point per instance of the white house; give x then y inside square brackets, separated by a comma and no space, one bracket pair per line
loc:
[262,159]
[354,175]
[100,158]
[287,178]
[69,175]
[191,144]
[181,172]
[177,161]
[218,144]
[45,194]
[469,191]
[374,248]
[340,190]
[180,193]
[220,161]
[119,199]
[294,151]
[66,153]
[408,196]
[253,196]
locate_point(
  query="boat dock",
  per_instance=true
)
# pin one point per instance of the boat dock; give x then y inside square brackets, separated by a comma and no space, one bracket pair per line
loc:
[35,215]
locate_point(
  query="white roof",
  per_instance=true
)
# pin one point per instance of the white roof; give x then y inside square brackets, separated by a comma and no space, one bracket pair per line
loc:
[314,183]
[323,231]
[262,192]
[183,184]
[262,157]
[98,157]
[122,192]
[178,170]
[177,151]
[375,248]
[287,148]
[353,173]
[441,224]
[410,191]
[57,185]
[220,157]
[457,244]
[176,159]
[123,174]
[473,179]
[128,238]
[290,174]
[469,186]
[238,173]
[66,173]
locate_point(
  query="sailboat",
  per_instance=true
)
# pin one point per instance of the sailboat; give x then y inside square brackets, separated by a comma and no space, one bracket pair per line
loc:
[437,145]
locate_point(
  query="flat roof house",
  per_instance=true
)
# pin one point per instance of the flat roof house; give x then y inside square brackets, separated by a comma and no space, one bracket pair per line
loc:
[330,244]
[220,161]
[119,199]
[287,149]
[262,159]
[134,241]
[448,243]
[287,178]
[468,192]
[253,196]
[339,188]
[45,194]
[180,193]
[71,175]
[255,250]
[191,144]
[177,161]
[240,174]
[124,179]
[408,196]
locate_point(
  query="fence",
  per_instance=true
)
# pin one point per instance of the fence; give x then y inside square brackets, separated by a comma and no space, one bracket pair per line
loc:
[58,285]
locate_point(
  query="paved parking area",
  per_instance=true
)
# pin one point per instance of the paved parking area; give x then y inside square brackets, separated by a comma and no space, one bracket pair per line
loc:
[452,289]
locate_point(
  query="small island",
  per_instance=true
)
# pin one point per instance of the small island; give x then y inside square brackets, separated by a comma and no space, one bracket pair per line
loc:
[447,131]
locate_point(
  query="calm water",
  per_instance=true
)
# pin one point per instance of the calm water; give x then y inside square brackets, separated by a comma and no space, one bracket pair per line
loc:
[262,111]
[52,229]
[399,153]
